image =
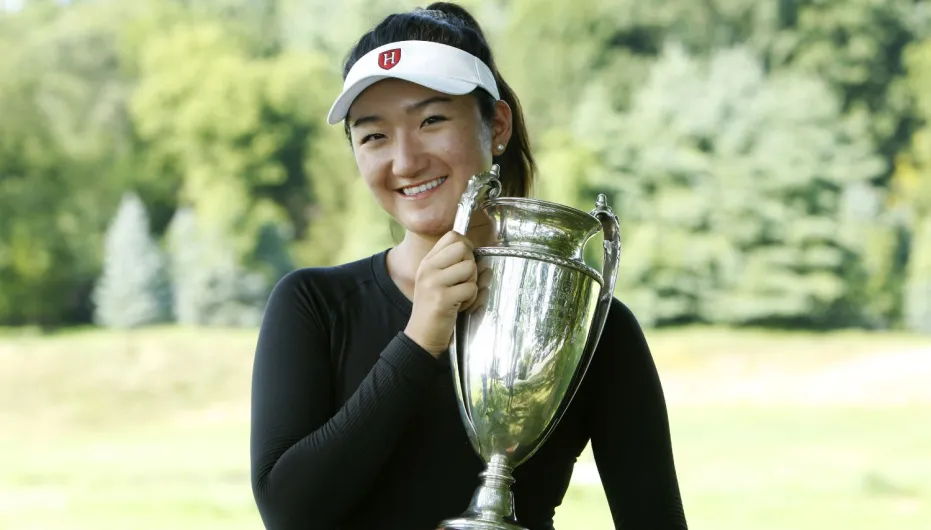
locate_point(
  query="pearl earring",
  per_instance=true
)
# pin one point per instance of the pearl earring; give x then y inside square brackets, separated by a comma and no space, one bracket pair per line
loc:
[500,148]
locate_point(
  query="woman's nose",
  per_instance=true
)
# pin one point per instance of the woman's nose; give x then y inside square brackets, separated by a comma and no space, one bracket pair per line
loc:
[409,160]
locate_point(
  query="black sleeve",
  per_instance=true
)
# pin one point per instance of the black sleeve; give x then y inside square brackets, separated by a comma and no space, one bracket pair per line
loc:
[630,433]
[311,464]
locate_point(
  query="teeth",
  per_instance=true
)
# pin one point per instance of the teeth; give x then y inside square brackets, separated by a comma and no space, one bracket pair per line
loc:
[414,190]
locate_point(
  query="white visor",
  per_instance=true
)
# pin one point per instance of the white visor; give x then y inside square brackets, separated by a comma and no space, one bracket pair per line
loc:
[440,67]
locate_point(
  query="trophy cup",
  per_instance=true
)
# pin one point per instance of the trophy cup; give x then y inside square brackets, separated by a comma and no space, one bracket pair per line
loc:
[519,354]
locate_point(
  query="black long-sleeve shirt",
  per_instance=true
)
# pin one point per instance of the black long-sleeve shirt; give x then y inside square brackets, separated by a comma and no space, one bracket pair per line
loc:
[355,426]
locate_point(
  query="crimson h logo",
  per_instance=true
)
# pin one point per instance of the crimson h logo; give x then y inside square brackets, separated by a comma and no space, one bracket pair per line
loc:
[389,59]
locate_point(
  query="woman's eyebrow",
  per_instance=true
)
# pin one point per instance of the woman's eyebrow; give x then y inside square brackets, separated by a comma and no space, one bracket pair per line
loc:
[429,101]
[365,119]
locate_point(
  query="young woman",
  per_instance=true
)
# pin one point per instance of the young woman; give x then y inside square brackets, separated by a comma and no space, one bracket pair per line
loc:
[354,418]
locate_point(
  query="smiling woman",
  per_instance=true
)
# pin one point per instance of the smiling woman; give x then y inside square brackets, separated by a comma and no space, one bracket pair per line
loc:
[354,417]
[417,150]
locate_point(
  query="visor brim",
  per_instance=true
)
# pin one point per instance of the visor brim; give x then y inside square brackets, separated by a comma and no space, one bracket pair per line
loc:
[340,108]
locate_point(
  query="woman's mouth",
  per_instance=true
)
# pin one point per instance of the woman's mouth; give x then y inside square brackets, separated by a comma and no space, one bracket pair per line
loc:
[421,189]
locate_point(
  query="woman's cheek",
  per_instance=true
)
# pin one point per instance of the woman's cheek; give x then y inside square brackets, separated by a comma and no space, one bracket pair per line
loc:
[369,163]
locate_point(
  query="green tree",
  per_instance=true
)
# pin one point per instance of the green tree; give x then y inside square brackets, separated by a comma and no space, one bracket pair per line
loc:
[64,155]
[234,128]
[734,187]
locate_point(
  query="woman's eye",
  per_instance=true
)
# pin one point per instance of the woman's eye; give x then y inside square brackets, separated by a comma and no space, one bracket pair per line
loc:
[434,119]
[374,136]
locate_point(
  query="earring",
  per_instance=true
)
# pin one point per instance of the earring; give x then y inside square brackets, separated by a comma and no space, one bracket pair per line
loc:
[500,148]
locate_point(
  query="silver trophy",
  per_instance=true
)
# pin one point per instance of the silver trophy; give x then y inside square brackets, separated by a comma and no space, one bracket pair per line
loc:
[519,353]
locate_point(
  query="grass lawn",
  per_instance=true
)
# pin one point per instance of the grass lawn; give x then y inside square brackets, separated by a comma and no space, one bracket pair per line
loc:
[772,431]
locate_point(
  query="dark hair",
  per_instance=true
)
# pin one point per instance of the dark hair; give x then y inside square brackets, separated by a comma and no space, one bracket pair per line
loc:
[450,24]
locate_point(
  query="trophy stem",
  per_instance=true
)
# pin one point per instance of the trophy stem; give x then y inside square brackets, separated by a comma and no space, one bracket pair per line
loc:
[492,506]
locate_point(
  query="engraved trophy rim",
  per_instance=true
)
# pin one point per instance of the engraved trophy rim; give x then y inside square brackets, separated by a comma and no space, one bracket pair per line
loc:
[534,201]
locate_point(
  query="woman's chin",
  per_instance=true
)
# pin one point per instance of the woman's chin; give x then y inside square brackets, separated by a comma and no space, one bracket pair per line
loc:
[429,228]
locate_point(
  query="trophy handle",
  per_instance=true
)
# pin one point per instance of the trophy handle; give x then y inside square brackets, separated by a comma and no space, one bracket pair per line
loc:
[471,197]
[612,256]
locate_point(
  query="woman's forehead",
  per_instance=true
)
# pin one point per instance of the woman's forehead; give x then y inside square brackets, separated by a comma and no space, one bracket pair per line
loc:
[397,96]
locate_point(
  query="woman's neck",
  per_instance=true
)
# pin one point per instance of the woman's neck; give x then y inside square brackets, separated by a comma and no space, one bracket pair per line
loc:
[405,258]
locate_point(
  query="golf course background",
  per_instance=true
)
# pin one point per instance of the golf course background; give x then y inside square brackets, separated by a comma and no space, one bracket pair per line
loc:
[163,163]
[149,430]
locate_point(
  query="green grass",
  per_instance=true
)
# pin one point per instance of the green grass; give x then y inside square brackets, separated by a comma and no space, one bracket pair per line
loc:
[776,468]
[149,430]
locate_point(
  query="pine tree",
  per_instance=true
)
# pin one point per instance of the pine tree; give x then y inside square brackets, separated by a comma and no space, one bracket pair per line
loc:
[133,289]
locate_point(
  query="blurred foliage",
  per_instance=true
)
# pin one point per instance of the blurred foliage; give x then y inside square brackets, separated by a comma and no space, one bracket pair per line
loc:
[912,193]
[770,161]
[737,204]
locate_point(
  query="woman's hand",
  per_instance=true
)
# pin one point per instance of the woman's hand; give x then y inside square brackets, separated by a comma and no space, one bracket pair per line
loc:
[484,282]
[446,282]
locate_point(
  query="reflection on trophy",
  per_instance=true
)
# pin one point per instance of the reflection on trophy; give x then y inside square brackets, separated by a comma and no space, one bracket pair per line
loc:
[520,352]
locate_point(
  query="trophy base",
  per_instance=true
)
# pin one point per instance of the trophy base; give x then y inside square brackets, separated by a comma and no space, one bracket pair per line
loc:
[477,524]
[492,506]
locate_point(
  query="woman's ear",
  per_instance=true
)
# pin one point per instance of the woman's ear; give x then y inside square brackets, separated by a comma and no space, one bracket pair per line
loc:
[501,129]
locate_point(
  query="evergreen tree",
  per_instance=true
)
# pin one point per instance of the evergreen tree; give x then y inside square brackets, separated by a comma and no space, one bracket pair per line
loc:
[133,289]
